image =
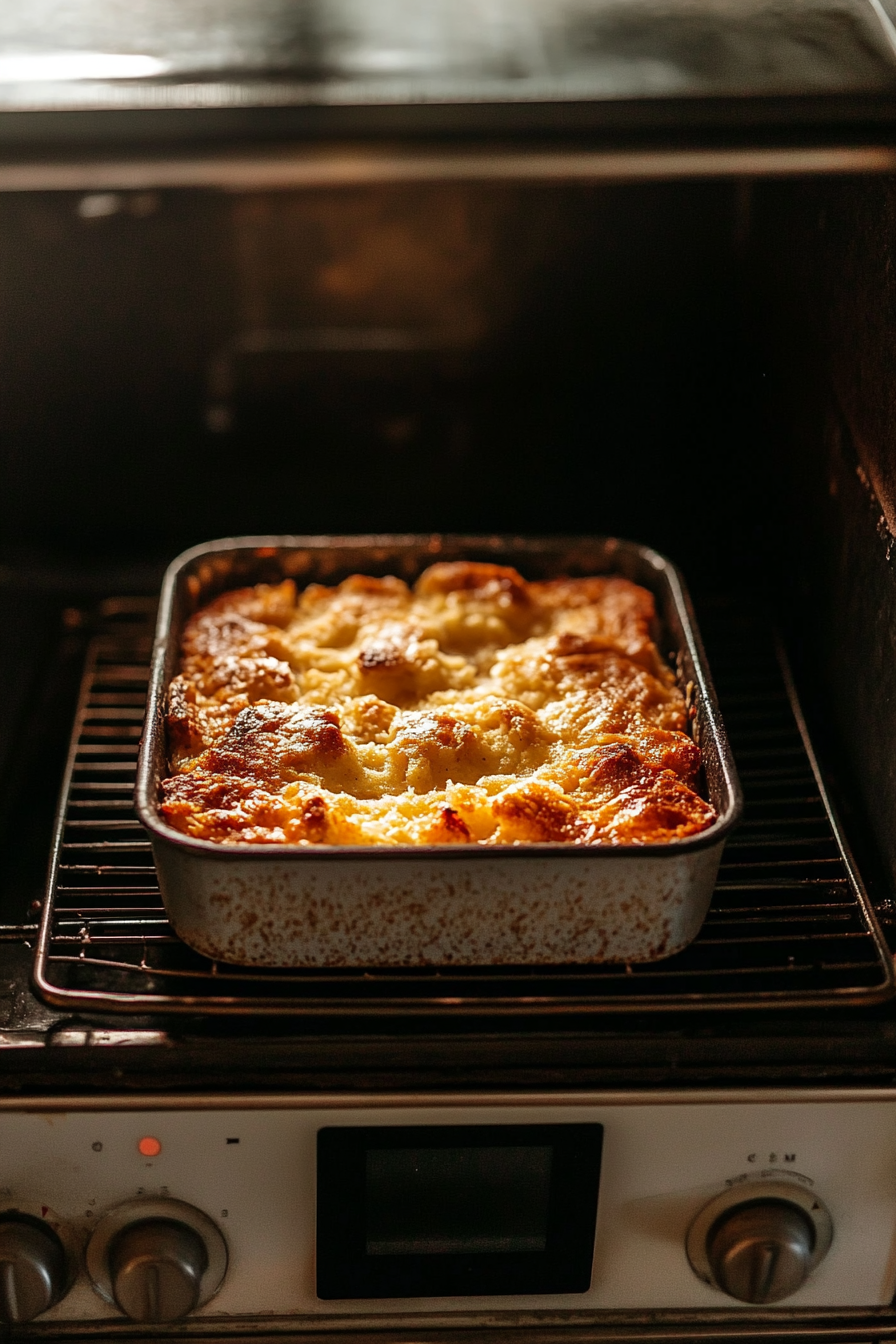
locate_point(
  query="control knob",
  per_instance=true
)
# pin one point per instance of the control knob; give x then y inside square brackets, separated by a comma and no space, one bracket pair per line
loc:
[156,1268]
[157,1260]
[33,1271]
[761,1251]
[759,1242]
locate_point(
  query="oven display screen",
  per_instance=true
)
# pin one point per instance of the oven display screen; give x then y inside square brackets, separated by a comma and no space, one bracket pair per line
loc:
[449,1201]
[456,1210]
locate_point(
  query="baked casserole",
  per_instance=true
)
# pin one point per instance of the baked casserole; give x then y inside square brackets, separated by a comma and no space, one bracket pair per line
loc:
[473,708]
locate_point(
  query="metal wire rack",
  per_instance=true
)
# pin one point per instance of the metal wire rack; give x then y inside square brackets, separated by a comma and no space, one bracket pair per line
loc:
[790,924]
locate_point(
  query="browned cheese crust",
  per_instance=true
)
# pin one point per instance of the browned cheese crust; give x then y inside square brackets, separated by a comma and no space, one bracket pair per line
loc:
[473,708]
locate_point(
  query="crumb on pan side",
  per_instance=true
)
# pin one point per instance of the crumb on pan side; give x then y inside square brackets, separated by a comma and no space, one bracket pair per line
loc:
[472,708]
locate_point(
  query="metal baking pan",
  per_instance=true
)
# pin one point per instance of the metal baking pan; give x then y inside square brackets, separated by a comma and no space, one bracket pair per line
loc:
[413,905]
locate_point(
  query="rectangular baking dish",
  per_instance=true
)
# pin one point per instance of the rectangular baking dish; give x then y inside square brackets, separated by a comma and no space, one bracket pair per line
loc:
[386,905]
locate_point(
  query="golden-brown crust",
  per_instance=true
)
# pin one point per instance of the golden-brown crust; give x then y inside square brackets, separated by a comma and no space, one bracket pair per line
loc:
[490,583]
[475,708]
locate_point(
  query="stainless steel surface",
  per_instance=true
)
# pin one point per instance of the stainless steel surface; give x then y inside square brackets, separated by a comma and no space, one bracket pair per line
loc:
[156,1268]
[404,906]
[775,1325]
[32,1268]
[163,1102]
[353,165]
[790,923]
[157,1259]
[93,54]
[761,1252]
[758,1241]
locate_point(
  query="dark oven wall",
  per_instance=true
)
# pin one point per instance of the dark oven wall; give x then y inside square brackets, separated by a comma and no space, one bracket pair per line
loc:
[182,365]
[822,266]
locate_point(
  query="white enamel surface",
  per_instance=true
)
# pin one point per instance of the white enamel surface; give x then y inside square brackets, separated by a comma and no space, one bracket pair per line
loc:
[305,911]
[662,1163]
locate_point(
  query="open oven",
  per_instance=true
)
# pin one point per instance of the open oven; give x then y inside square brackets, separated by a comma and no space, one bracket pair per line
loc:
[549,270]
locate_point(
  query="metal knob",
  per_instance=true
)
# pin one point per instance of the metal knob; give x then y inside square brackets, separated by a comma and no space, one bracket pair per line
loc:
[33,1272]
[761,1251]
[156,1268]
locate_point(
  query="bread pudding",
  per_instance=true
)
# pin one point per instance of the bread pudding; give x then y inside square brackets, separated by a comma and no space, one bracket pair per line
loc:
[472,708]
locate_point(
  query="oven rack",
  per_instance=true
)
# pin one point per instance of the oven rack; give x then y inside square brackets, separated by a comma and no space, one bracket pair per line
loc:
[790,925]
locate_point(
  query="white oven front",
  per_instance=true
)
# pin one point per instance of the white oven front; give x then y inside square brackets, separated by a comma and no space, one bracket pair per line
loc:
[451,1206]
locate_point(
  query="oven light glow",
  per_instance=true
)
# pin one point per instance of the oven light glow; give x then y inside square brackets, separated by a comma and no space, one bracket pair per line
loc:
[50,66]
[149,1147]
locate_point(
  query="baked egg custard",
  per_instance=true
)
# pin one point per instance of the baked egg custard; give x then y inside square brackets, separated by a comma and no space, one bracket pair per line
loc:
[472,708]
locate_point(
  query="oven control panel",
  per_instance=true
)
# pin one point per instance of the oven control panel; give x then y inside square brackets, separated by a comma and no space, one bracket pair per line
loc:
[323,1208]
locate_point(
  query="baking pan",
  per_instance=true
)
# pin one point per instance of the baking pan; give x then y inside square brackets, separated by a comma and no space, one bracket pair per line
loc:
[414,905]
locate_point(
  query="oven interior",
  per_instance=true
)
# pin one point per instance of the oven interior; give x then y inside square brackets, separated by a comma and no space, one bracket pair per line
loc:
[698,364]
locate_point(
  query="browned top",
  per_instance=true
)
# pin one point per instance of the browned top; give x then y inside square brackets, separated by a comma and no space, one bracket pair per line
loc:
[473,708]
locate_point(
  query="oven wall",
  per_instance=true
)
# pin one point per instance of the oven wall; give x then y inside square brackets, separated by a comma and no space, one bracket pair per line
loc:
[823,262]
[180,365]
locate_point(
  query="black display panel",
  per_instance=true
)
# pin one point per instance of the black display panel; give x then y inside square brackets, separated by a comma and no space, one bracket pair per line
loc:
[456,1210]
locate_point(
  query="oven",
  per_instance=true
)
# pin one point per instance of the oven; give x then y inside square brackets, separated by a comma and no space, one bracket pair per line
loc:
[550,270]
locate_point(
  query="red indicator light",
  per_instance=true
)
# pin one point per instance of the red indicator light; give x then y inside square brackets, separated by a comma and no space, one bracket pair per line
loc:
[149,1147]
